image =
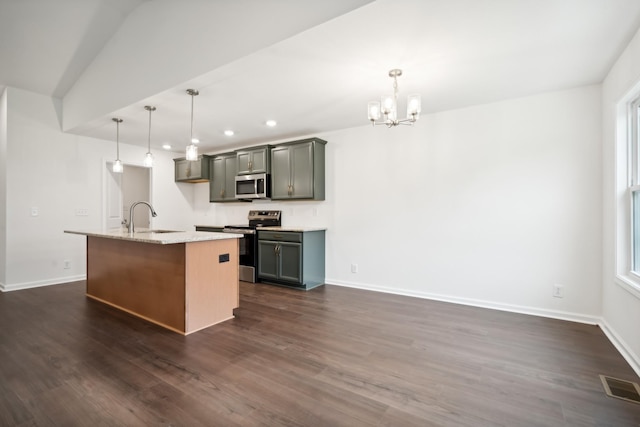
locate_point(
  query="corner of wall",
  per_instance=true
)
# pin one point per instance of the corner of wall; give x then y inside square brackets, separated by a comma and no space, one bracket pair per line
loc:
[3,187]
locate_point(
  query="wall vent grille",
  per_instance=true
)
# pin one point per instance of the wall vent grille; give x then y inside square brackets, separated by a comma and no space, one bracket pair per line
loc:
[621,389]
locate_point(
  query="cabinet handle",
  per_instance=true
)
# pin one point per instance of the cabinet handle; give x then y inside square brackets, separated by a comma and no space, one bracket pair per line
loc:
[222,193]
[250,165]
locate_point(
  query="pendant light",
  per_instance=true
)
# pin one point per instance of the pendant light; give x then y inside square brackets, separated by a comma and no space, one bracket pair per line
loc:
[192,149]
[148,159]
[117,165]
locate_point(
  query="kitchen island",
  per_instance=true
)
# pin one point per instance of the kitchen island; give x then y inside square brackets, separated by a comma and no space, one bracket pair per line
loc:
[183,281]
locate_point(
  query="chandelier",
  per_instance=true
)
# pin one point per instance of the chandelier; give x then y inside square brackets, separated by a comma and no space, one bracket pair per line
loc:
[388,106]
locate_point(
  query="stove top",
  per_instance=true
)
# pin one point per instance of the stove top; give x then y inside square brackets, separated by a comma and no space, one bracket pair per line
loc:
[260,219]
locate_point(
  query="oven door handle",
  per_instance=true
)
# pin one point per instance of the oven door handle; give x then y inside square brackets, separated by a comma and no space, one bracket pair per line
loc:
[238,230]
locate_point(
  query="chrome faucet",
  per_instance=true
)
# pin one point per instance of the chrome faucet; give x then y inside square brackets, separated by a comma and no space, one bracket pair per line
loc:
[130,225]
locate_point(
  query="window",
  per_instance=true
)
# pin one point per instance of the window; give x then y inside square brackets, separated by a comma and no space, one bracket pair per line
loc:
[634,185]
[628,193]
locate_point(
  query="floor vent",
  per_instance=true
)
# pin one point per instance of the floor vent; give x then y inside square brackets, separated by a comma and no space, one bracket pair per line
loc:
[621,389]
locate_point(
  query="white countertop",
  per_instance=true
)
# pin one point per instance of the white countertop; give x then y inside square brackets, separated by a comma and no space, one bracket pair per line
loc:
[293,228]
[148,236]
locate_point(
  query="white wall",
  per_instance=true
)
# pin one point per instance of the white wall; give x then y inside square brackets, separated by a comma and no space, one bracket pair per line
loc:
[58,173]
[489,205]
[3,185]
[621,309]
[135,187]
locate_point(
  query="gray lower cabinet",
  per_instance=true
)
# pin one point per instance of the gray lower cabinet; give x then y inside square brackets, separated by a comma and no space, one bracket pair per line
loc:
[297,170]
[291,258]
[223,174]
[192,171]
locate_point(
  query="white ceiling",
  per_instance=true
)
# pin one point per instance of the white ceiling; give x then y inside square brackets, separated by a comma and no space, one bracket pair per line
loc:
[319,78]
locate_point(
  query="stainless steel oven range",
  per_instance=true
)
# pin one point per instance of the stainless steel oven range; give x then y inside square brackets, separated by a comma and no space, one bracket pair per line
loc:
[249,243]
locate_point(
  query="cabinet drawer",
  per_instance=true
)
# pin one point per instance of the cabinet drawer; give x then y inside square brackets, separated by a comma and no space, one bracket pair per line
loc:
[280,236]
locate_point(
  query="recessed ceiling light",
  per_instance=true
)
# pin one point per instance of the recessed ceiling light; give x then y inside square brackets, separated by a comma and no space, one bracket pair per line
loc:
[271,123]
[195,140]
[229,132]
[166,146]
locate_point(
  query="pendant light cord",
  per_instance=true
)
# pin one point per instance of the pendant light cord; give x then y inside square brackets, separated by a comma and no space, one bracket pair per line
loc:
[117,140]
[191,139]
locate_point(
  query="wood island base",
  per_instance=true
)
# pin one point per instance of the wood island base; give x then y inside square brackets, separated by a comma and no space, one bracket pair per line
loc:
[184,287]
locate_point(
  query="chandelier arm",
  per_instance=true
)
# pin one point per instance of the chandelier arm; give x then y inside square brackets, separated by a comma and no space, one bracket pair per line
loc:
[407,121]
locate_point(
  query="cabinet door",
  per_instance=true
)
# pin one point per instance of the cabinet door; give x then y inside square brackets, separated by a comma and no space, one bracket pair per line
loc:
[186,170]
[290,262]
[259,161]
[252,161]
[267,259]
[244,162]
[302,171]
[230,168]
[196,171]
[280,172]
[222,181]
[218,180]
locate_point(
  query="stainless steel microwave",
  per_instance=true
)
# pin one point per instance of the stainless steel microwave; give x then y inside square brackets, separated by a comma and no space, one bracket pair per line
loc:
[256,186]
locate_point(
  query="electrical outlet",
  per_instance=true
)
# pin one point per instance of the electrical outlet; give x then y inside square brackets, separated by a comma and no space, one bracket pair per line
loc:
[82,212]
[34,211]
[67,264]
[354,268]
[558,291]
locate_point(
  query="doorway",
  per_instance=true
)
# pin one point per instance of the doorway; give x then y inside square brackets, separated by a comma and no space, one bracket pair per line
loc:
[124,189]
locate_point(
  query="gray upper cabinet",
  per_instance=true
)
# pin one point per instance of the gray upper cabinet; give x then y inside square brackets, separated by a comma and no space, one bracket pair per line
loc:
[192,171]
[222,182]
[254,160]
[297,170]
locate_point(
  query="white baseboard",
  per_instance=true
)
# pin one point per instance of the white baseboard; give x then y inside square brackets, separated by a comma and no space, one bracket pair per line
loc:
[621,346]
[553,314]
[39,283]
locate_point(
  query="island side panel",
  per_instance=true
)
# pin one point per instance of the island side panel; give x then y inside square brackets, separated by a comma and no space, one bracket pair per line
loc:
[211,285]
[145,279]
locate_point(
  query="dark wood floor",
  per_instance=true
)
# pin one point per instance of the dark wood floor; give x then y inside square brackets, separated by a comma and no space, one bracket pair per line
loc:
[328,357]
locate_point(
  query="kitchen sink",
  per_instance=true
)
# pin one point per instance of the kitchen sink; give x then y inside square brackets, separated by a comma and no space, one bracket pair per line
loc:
[158,231]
